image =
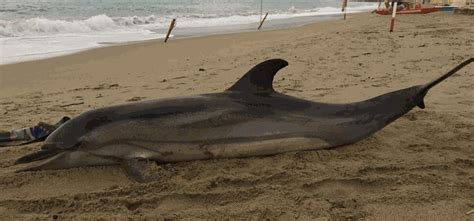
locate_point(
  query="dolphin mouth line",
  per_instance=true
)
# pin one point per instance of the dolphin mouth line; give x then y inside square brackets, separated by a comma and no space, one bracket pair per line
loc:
[47,150]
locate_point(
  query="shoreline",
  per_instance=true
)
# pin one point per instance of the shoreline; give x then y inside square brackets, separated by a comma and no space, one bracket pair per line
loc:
[419,167]
[269,25]
[178,33]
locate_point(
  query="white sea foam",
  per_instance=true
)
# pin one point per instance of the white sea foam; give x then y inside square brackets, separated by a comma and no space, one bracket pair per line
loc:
[16,49]
[101,23]
[43,26]
[32,38]
[40,38]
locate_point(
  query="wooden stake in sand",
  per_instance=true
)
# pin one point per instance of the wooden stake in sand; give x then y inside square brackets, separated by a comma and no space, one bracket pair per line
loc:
[173,23]
[394,13]
[344,8]
[263,20]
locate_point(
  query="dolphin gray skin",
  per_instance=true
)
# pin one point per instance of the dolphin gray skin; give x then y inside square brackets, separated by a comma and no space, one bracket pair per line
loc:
[248,119]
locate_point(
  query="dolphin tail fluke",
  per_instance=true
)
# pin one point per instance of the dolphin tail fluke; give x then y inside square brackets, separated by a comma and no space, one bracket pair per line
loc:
[431,84]
[39,155]
[428,86]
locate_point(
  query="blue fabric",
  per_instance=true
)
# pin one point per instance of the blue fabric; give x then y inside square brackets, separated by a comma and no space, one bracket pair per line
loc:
[37,132]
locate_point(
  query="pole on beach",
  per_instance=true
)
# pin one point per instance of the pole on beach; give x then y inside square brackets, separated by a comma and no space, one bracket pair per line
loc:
[261,23]
[172,25]
[394,13]
[261,10]
[344,8]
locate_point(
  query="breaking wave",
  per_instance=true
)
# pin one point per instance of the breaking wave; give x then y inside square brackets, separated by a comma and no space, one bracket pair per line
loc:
[44,26]
[31,36]
[103,23]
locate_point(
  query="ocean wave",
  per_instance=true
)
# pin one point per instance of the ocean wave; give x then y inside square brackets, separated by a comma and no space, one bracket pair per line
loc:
[103,23]
[44,26]
[135,20]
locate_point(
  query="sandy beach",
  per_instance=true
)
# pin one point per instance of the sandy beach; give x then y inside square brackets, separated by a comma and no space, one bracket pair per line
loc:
[420,167]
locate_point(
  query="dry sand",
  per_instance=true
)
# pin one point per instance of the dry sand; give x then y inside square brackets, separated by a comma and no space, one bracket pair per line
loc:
[421,167]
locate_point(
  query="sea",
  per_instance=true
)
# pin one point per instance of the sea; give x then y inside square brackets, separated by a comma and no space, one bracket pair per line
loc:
[34,29]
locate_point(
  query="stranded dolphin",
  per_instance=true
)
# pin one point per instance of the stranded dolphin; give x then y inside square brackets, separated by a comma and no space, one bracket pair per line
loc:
[248,119]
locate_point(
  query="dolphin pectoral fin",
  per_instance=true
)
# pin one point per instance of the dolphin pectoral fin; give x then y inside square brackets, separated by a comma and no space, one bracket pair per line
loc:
[140,170]
[133,168]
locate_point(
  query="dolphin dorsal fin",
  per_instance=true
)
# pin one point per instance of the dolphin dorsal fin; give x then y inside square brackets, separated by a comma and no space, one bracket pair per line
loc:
[260,78]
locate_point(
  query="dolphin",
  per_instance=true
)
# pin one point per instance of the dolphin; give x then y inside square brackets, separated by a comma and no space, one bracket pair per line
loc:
[248,119]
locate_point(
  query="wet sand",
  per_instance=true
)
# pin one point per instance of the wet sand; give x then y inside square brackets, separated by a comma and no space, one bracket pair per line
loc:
[420,167]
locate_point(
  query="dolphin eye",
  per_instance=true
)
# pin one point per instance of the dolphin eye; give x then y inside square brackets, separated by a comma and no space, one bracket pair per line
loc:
[96,122]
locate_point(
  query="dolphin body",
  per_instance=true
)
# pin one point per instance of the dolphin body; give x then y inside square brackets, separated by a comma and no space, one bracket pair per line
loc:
[248,119]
